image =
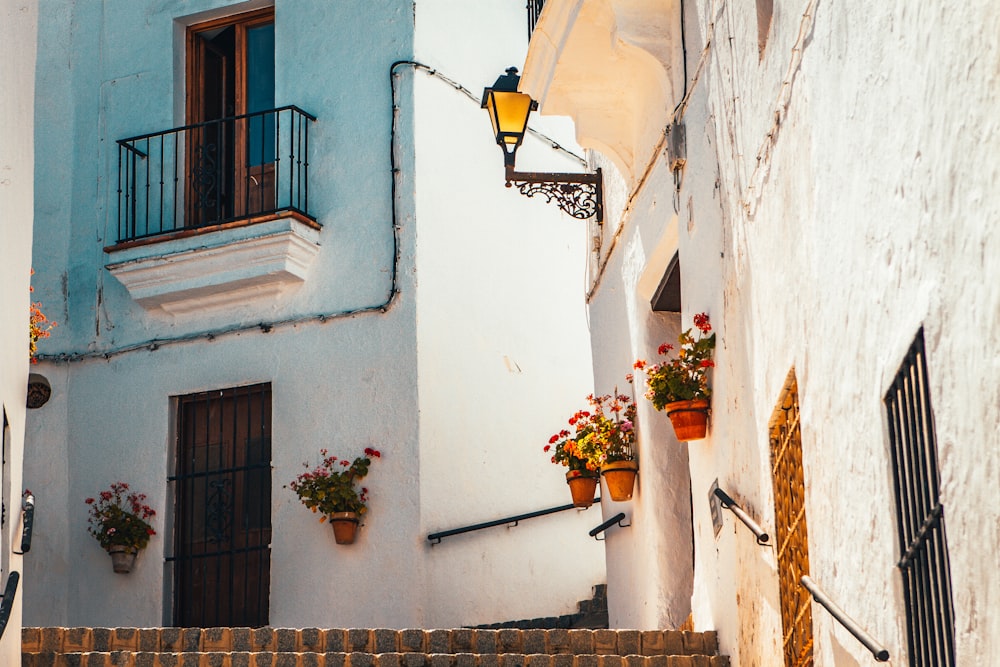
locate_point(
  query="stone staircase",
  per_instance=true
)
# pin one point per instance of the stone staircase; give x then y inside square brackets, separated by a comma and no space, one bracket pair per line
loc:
[312,647]
[592,614]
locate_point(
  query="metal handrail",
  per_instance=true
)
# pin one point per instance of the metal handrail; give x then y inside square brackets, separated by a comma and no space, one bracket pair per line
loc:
[9,591]
[435,538]
[226,119]
[878,651]
[734,507]
[27,523]
[616,519]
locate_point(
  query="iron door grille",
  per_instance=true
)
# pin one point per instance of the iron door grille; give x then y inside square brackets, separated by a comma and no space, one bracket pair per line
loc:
[919,514]
[790,526]
[222,488]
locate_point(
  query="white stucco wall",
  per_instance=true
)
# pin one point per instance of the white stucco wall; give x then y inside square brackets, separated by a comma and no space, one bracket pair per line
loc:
[503,345]
[649,563]
[837,197]
[383,379]
[18,24]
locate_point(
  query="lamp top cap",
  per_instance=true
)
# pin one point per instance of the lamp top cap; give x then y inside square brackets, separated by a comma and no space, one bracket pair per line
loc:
[507,83]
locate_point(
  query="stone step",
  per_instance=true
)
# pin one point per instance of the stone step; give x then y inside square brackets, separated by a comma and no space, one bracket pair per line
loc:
[379,641]
[312,659]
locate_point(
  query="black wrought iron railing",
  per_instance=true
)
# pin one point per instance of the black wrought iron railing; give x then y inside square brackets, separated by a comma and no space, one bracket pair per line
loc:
[214,172]
[510,521]
[878,651]
[534,11]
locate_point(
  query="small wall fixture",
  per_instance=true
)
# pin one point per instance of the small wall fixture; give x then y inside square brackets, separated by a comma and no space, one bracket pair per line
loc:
[579,195]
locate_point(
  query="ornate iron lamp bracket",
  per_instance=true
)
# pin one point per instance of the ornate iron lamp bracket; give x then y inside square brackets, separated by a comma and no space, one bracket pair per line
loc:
[578,195]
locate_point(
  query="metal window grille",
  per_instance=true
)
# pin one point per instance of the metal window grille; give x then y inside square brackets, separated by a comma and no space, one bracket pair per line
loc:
[790,526]
[920,515]
[221,560]
[534,10]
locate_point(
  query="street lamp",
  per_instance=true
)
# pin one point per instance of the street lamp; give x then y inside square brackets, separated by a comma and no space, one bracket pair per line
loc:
[579,195]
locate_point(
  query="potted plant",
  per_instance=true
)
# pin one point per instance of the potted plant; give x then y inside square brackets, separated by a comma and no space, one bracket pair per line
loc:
[582,476]
[331,489]
[609,442]
[118,521]
[679,385]
[39,326]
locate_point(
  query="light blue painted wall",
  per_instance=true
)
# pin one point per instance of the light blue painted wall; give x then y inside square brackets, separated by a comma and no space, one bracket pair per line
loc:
[344,385]
[114,71]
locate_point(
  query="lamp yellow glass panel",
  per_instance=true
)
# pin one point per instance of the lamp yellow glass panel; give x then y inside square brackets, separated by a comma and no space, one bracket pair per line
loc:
[509,115]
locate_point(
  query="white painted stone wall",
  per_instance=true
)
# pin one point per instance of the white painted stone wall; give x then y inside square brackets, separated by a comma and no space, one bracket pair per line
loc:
[650,562]
[838,195]
[458,394]
[18,22]
[503,349]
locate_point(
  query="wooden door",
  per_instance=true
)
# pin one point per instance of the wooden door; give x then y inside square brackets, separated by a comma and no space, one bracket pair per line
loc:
[230,102]
[223,513]
[210,145]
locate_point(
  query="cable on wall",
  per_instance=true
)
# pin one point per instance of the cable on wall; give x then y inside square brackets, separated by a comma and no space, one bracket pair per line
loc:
[676,117]
[318,318]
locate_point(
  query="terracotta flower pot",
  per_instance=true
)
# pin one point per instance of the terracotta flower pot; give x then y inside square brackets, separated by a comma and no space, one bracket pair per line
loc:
[619,476]
[690,418]
[345,527]
[122,558]
[582,486]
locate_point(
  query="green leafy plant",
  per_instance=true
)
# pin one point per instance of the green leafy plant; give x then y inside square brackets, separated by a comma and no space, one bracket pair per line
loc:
[330,487]
[118,517]
[684,377]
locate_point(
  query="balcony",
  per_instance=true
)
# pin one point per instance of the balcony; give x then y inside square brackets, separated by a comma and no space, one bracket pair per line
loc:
[209,174]
[534,10]
[216,213]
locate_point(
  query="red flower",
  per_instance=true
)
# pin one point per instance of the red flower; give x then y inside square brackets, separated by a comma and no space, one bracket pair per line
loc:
[546,448]
[701,321]
[707,363]
[666,347]
[639,364]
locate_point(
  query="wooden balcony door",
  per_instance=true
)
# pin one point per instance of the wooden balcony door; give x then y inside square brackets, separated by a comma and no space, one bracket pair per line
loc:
[230,163]
[222,554]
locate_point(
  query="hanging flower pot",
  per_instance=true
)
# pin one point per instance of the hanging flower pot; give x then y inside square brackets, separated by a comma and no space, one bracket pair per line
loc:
[345,526]
[689,418]
[582,486]
[122,558]
[619,476]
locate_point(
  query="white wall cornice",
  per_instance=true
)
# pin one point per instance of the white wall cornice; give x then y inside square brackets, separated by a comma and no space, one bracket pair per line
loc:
[611,65]
[228,268]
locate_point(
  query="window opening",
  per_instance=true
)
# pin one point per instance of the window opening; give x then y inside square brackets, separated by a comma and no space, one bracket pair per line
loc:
[765,13]
[230,89]
[924,563]
[791,535]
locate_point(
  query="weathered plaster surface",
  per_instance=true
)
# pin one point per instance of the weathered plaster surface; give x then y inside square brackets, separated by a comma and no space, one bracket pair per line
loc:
[459,395]
[18,27]
[837,197]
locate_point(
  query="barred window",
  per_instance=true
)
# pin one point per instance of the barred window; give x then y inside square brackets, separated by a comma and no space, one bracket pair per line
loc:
[790,526]
[920,515]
